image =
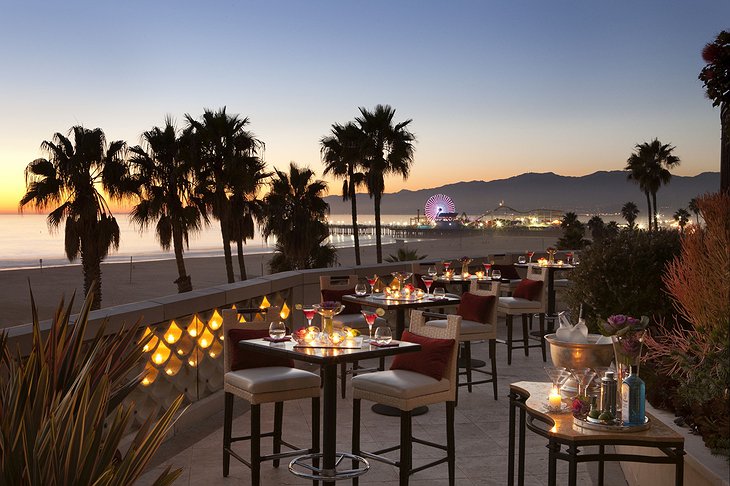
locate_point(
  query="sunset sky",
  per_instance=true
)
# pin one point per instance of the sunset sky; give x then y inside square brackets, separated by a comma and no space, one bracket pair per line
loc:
[494,89]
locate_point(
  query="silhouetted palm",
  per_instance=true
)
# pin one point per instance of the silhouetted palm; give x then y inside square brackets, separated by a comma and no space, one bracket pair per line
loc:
[342,153]
[682,218]
[223,150]
[653,161]
[165,188]
[389,150]
[638,174]
[72,177]
[597,227]
[294,214]
[630,211]
[573,232]
[695,208]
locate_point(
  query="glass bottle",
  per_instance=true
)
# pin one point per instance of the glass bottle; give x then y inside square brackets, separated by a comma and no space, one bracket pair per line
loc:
[633,395]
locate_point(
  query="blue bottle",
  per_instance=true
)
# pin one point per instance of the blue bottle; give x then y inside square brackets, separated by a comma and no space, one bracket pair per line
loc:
[633,395]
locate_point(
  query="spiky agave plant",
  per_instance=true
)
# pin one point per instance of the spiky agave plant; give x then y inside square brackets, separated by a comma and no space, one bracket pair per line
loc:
[62,416]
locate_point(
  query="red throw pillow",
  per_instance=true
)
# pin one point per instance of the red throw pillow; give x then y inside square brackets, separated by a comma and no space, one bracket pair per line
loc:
[336,296]
[528,289]
[245,359]
[431,360]
[475,308]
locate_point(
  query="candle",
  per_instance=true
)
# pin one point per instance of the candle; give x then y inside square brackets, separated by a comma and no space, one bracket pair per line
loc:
[480,275]
[554,399]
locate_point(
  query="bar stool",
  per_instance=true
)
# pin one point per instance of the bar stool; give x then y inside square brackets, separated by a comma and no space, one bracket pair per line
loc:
[519,306]
[406,390]
[272,382]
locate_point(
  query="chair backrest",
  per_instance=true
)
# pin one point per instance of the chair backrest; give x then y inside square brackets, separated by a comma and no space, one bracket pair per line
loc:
[492,288]
[342,282]
[536,272]
[451,331]
[231,321]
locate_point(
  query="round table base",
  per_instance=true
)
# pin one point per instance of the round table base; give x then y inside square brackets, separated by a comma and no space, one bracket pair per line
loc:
[475,363]
[381,409]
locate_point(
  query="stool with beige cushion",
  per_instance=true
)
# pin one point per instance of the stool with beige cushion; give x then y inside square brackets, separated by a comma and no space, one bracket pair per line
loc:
[266,384]
[483,328]
[336,286]
[518,306]
[405,390]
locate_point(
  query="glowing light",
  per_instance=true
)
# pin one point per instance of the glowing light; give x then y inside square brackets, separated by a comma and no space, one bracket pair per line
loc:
[173,333]
[216,321]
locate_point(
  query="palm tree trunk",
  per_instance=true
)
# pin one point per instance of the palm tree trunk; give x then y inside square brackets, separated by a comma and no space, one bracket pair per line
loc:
[225,234]
[91,267]
[241,262]
[184,283]
[378,241]
[355,232]
[648,205]
[656,211]
[725,147]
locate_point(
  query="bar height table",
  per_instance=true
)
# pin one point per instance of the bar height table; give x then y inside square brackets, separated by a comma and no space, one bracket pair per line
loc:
[328,359]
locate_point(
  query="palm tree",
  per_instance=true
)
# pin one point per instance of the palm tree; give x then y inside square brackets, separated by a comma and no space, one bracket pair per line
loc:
[246,208]
[597,227]
[682,218]
[654,160]
[630,211]
[573,232]
[223,151]
[342,152]
[389,150]
[695,208]
[165,188]
[405,255]
[637,173]
[72,177]
[294,212]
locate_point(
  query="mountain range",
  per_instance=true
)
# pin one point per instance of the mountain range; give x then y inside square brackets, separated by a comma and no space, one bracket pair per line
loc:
[600,192]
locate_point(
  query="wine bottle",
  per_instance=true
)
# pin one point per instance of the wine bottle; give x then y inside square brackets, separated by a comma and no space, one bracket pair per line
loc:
[633,395]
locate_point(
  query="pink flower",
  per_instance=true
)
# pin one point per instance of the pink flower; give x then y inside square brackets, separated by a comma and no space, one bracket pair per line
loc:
[617,322]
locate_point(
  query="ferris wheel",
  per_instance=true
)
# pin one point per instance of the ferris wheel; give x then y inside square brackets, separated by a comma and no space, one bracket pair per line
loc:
[438,204]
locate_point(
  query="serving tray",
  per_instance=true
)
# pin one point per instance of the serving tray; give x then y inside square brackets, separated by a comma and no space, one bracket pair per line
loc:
[600,426]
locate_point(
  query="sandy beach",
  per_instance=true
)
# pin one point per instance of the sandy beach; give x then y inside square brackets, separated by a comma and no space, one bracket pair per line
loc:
[123,283]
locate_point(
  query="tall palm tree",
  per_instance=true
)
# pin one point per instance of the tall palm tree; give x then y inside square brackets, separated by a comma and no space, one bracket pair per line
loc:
[165,188]
[682,218]
[342,153]
[630,211]
[389,150]
[637,174]
[223,149]
[246,208]
[72,177]
[695,208]
[655,160]
[294,213]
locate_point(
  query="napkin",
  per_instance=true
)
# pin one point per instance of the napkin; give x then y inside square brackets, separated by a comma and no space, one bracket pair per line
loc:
[383,345]
[570,333]
[277,340]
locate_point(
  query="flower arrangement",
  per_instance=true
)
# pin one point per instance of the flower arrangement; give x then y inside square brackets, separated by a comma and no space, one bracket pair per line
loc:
[629,331]
[551,251]
[329,305]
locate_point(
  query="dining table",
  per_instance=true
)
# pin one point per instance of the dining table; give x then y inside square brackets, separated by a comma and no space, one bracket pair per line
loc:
[328,358]
[552,269]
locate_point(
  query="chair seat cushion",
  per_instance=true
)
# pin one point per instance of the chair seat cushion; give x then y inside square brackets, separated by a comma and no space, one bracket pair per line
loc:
[272,379]
[562,283]
[356,321]
[400,383]
[514,303]
[467,327]
[245,359]
[432,360]
[336,295]
[528,289]
[475,307]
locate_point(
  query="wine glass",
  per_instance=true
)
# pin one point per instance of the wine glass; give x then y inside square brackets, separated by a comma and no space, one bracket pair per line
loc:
[432,272]
[583,378]
[277,330]
[439,293]
[371,281]
[487,267]
[383,335]
[521,259]
[309,312]
[446,264]
[370,319]
[427,281]
[496,274]
[557,375]
[530,254]
[361,289]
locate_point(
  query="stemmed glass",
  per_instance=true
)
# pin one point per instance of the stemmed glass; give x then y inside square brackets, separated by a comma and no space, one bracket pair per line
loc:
[427,281]
[583,378]
[370,319]
[447,264]
[371,281]
[557,375]
[309,314]
[402,277]
[530,254]
[487,267]
[431,272]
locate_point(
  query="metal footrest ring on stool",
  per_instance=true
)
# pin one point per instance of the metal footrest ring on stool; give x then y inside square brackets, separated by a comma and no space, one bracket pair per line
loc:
[319,473]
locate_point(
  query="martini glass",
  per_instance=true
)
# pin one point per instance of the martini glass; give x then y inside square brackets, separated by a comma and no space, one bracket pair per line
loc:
[530,254]
[446,266]
[370,319]
[557,375]
[487,268]
[432,272]
[583,378]
[427,281]
[309,314]
[371,282]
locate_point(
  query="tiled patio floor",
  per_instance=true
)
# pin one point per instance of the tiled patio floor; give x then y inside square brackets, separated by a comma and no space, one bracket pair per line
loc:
[481,439]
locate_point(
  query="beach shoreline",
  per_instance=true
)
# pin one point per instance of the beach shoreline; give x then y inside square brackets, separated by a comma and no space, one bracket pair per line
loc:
[123,283]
